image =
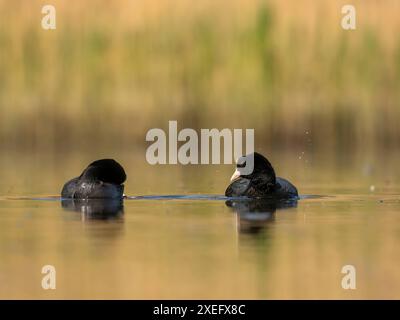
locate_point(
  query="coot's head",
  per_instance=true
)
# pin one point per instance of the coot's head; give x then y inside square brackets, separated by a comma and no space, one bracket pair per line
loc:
[262,168]
[105,170]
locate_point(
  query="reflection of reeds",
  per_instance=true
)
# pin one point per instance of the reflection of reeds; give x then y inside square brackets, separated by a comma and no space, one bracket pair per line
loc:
[112,70]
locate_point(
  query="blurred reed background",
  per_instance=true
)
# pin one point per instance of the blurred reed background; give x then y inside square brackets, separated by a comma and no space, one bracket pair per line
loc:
[112,70]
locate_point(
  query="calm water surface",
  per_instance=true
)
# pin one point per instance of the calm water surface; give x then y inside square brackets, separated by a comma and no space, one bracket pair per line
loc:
[163,245]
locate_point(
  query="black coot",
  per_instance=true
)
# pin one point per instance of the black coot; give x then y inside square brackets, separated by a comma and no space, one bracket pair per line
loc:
[102,179]
[261,183]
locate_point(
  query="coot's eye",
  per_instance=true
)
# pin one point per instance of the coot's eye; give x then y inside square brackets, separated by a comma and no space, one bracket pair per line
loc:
[241,164]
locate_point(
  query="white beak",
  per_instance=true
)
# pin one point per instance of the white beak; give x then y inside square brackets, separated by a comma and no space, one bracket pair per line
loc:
[235,175]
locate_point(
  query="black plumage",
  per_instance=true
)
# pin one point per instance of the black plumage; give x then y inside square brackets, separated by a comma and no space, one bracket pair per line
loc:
[101,179]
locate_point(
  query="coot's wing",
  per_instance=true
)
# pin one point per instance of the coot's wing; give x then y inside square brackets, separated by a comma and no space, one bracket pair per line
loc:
[285,189]
[238,187]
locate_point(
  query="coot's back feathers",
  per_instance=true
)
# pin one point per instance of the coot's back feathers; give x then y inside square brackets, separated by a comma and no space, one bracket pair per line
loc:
[285,189]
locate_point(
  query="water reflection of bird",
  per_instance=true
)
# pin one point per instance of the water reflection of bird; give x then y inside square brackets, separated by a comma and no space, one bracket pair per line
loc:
[95,209]
[101,179]
[253,215]
[261,182]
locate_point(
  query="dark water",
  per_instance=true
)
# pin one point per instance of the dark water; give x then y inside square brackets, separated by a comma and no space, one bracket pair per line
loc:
[176,236]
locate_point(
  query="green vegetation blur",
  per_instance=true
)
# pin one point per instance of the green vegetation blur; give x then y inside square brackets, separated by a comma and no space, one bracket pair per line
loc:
[112,70]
